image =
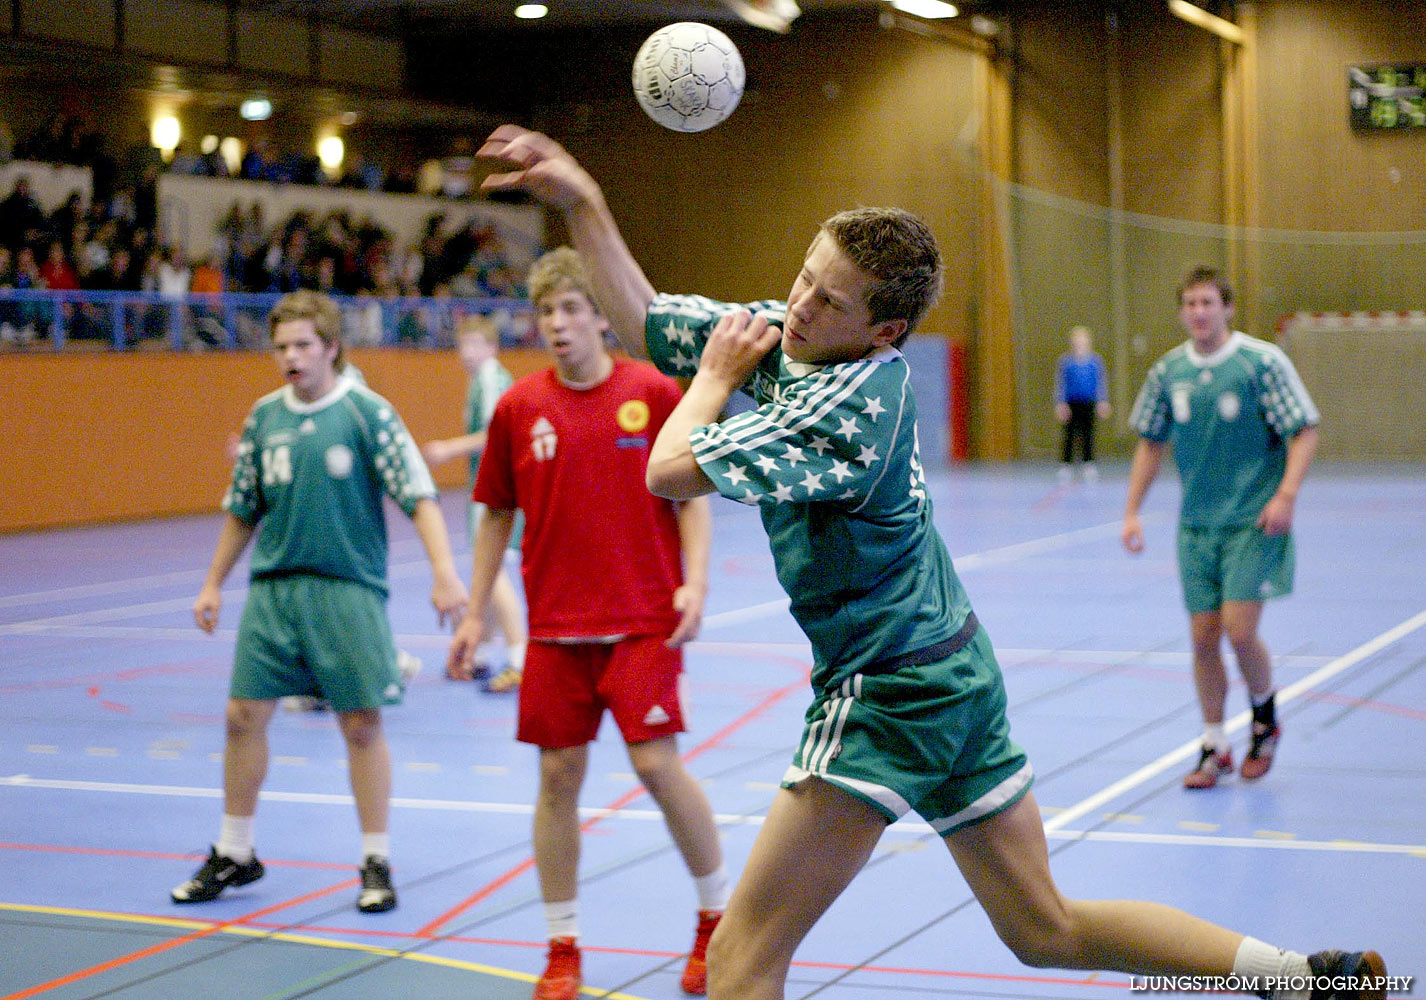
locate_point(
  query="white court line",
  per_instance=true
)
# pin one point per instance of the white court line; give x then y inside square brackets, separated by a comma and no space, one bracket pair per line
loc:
[904,827]
[1175,757]
[963,564]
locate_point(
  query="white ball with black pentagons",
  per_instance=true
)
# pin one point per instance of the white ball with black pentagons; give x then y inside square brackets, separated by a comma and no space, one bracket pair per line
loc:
[688,76]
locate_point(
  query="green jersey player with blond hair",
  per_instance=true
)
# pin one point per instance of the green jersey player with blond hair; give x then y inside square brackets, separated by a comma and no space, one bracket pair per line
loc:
[908,710]
[313,463]
[1244,431]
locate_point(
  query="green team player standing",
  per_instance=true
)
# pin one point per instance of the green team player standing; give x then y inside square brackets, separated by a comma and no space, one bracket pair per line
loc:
[1244,431]
[313,463]
[909,706]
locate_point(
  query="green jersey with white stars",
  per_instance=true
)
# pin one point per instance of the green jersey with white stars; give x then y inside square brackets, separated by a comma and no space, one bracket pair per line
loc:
[311,477]
[831,459]
[1229,416]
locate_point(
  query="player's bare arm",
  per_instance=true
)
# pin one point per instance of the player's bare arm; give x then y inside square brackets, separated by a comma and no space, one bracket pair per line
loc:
[548,172]
[1148,457]
[695,536]
[231,541]
[491,540]
[447,592]
[1276,518]
[734,348]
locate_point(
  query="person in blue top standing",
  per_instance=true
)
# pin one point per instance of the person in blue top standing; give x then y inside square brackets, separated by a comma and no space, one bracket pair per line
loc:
[1081,396]
[908,710]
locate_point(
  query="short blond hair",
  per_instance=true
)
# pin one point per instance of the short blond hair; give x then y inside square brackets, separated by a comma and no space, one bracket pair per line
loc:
[478,325]
[561,268]
[320,309]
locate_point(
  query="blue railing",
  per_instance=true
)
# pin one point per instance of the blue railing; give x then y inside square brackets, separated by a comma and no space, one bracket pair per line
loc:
[233,320]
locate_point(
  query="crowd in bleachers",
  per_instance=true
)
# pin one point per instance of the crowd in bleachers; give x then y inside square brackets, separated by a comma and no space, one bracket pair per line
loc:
[110,243]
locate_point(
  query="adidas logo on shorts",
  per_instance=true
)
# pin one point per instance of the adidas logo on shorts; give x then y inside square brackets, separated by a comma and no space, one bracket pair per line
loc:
[656,717]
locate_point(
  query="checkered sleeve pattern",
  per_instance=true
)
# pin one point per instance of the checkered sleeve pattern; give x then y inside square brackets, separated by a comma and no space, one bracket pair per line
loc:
[243,498]
[1287,407]
[1151,416]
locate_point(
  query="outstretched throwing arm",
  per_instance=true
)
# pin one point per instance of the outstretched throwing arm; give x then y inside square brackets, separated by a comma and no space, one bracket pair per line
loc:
[545,170]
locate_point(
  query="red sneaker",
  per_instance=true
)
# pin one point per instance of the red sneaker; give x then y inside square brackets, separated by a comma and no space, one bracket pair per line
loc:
[695,973]
[562,977]
[1260,752]
[1211,764]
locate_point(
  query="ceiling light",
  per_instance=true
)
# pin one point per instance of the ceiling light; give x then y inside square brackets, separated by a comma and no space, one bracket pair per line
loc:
[531,11]
[255,109]
[330,152]
[165,132]
[926,8]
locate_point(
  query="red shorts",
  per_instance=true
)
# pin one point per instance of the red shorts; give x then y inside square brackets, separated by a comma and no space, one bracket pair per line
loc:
[567,686]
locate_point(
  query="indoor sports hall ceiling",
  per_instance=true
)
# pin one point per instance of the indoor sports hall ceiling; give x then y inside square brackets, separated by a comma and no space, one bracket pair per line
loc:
[393,16]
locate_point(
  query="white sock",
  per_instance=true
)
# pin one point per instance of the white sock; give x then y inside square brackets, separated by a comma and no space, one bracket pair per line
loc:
[562,918]
[713,889]
[235,838]
[516,652]
[376,845]
[1257,959]
[1214,737]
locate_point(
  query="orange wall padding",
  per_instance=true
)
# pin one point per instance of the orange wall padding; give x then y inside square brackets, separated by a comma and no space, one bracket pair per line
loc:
[99,436]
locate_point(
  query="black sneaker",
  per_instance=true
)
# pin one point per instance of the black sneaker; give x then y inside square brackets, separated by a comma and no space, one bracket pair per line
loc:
[1347,975]
[217,874]
[377,895]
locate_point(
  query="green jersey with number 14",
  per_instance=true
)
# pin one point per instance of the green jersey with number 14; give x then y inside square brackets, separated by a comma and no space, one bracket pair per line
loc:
[311,477]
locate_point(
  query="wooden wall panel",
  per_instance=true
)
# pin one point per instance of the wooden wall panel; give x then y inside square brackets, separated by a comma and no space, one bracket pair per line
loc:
[88,22]
[177,30]
[101,436]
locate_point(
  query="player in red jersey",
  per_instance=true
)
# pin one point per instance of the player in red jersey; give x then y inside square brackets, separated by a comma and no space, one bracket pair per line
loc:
[615,579]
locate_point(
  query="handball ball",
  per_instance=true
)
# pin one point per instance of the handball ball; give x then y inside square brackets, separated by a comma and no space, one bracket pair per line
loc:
[688,77]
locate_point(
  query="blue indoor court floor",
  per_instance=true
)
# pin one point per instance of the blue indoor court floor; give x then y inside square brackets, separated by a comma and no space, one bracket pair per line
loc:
[111,731]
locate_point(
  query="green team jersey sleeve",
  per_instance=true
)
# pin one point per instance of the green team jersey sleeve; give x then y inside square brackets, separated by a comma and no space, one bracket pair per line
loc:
[1287,407]
[1151,416]
[243,499]
[405,477]
[831,458]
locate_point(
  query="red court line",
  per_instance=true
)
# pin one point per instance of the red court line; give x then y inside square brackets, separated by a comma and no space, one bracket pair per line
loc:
[169,945]
[432,928]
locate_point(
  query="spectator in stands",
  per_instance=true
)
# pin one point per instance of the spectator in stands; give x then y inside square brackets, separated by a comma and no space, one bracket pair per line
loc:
[19,214]
[57,272]
[256,165]
[174,276]
[207,279]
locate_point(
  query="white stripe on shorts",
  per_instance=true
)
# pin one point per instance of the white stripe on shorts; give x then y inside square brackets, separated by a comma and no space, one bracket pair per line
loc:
[990,802]
[879,794]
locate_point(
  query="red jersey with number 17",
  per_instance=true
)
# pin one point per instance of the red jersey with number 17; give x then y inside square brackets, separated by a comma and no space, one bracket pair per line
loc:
[601,554]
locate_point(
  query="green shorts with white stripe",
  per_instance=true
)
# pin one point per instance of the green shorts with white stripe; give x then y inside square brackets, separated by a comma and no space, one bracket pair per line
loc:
[932,738]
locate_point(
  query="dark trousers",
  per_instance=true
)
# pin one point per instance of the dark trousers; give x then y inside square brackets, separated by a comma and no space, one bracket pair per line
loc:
[1080,425]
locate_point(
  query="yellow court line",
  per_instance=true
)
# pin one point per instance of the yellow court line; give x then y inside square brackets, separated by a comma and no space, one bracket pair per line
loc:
[181,924]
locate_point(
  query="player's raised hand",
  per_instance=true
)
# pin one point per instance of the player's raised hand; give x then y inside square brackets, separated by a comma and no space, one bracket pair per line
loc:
[544,168]
[734,348]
